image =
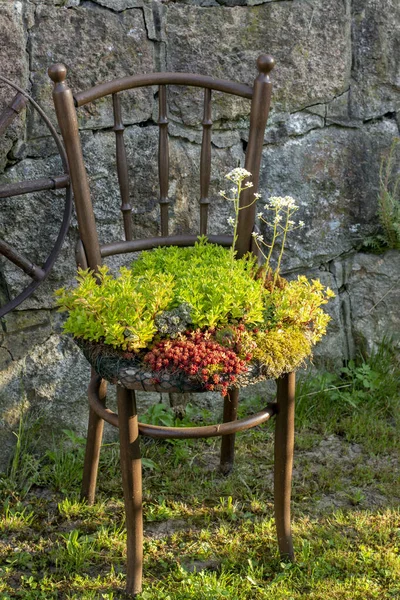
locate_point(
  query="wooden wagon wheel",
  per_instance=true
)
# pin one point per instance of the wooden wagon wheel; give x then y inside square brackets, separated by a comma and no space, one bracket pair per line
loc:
[37,273]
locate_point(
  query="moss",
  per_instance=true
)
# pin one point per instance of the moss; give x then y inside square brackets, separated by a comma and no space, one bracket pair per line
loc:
[282,350]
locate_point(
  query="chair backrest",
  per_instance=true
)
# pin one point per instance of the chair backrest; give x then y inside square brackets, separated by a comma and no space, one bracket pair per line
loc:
[90,252]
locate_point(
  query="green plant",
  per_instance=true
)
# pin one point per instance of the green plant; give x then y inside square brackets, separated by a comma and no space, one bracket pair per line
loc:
[237,177]
[205,278]
[120,311]
[62,465]
[283,209]
[75,551]
[200,312]
[389,198]
[16,517]
[24,469]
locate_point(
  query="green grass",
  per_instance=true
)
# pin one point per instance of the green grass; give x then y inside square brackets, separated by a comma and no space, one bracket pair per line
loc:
[213,537]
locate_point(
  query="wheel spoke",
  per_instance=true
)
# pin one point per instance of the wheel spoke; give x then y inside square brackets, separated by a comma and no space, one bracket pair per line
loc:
[34,185]
[22,262]
[7,190]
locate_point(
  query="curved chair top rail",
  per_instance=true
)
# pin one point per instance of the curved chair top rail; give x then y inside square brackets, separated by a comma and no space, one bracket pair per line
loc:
[66,103]
[135,81]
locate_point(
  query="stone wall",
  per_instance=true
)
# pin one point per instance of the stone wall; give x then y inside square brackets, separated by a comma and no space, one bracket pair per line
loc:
[336,103]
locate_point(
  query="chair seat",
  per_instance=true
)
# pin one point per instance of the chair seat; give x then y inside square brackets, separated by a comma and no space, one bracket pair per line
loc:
[134,374]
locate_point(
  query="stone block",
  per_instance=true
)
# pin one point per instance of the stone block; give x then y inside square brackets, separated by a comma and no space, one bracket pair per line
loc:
[333,173]
[309,41]
[375,88]
[373,285]
[96,45]
[13,66]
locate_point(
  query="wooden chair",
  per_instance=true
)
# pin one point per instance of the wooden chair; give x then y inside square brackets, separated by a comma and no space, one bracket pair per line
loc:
[90,253]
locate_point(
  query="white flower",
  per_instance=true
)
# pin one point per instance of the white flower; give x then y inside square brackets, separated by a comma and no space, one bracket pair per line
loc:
[254,234]
[290,202]
[221,193]
[249,185]
[260,238]
[278,202]
[233,190]
[301,223]
[257,196]
[277,219]
[291,223]
[231,221]
[237,175]
[259,215]
[275,202]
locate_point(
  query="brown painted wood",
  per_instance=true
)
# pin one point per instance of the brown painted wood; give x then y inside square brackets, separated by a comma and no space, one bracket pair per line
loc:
[205,162]
[131,469]
[149,243]
[258,120]
[93,446]
[68,122]
[80,256]
[37,273]
[163,158]
[126,419]
[12,111]
[156,431]
[283,466]
[231,403]
[8,190]
[135,81]
[122,167]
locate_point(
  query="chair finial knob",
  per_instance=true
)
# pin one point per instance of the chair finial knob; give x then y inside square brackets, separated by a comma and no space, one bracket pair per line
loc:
[57,72]
[265,63]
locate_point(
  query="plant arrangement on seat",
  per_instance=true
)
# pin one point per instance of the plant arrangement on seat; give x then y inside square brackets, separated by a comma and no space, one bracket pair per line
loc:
[197,318]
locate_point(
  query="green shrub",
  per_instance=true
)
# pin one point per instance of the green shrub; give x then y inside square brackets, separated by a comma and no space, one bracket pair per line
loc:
[174,300]
[119,311]
[122,311]
[218,288]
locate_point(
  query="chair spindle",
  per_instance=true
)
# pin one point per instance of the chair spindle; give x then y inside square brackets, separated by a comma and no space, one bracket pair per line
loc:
[205,162]
[122,167]
[163,158]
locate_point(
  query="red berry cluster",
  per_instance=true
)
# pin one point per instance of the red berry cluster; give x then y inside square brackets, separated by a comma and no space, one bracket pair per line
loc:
[198,356]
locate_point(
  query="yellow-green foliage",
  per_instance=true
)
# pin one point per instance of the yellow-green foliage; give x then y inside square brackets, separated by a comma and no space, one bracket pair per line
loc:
[281,350]
[299,304]
[218,288]
[120,311]
[217,291]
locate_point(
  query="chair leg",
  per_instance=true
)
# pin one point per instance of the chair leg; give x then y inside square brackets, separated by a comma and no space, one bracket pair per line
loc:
[284,443]
[131,467]
[231,402]
[92,453]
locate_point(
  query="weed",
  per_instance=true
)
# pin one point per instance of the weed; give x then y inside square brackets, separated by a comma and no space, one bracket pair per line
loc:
[388,205]
[75,551]
[389,199]
[15,517]
[63,465]
[24,468]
